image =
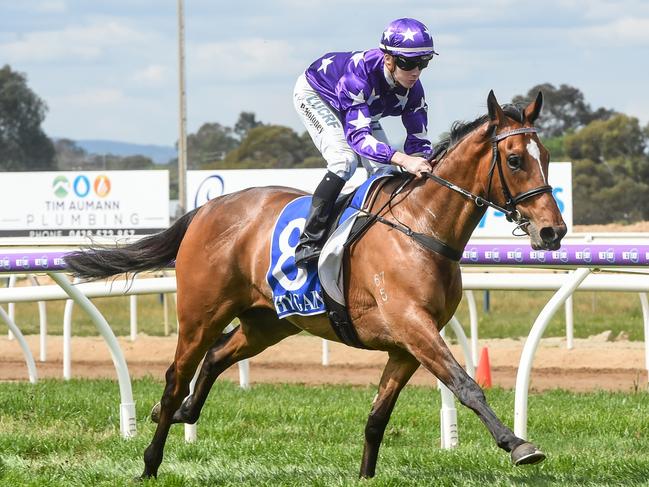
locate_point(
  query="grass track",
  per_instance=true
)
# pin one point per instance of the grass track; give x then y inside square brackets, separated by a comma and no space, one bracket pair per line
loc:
[57,433]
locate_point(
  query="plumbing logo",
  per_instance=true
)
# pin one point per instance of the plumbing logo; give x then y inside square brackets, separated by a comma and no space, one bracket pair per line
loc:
[81,186]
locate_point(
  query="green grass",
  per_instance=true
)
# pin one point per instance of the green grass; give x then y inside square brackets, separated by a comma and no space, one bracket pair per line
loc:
[511,315]
[56,433]
[115,309]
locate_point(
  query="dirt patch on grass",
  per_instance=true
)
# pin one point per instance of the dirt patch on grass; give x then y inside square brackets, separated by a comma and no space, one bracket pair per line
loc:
[592,364]
[612,228]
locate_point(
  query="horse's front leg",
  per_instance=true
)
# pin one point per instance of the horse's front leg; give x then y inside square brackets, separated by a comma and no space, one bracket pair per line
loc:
[425,343]
[397,372]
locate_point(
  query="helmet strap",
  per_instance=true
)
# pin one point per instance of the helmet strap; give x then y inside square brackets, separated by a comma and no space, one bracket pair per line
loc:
[396,82]
[391,68]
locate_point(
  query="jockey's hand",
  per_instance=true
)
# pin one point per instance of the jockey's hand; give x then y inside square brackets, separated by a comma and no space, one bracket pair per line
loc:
[413,164]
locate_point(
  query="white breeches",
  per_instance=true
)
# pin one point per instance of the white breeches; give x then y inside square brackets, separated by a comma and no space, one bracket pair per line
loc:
[323,123]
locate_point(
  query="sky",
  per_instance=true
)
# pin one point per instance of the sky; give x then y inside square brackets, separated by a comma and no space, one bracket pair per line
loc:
[109,69]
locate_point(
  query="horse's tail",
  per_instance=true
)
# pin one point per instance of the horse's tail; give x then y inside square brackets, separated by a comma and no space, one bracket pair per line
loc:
[150,253]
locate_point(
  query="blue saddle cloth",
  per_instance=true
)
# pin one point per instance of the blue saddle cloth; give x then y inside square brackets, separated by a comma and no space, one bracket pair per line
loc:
[297,291]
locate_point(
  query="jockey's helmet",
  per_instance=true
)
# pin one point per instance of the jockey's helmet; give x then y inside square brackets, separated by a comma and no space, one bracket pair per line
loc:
[407,38]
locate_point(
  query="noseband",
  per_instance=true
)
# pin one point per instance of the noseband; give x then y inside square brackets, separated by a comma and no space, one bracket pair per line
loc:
[509,209]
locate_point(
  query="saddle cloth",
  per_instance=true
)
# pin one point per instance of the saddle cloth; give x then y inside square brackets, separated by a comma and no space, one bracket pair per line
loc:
[296,290]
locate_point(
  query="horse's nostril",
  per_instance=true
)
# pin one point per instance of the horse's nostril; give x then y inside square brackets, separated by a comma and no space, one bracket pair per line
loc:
[548,234]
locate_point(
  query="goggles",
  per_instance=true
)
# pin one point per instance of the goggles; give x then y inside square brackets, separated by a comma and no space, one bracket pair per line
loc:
[410,63]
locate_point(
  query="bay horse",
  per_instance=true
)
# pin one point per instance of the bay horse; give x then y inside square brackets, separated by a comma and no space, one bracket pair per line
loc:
[399,293]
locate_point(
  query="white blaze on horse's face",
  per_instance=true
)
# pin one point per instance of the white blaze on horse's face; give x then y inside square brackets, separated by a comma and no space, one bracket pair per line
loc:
[535,152]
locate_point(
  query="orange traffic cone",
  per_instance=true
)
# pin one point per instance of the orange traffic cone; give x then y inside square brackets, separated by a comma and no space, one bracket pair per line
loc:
[483,373]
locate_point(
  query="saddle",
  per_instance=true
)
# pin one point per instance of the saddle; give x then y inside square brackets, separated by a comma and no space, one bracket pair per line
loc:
[318,289]
[330,267]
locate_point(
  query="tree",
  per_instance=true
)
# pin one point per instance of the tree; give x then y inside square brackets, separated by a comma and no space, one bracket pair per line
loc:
[602,140]
[611,171]
[172,167]
[564,109]
[23,144]
[211,143]
[69,156]
[312,156]
[555,145]
[268,146]
[246,122]
[112,162]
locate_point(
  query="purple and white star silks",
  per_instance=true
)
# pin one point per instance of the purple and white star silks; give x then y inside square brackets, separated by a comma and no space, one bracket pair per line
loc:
[355,85]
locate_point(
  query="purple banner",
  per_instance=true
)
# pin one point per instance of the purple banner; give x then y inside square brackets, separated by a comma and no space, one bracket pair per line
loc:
[32,262]
[573,255]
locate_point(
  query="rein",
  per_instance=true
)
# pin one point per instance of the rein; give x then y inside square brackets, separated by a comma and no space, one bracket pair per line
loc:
[511,212]
[427,241]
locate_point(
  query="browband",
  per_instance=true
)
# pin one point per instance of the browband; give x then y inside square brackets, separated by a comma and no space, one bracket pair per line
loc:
[504,135]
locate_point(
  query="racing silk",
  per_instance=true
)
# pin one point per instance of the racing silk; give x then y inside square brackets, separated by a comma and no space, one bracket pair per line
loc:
[360,88]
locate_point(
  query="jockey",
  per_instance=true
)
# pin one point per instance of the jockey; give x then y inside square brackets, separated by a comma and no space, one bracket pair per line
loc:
[341,98]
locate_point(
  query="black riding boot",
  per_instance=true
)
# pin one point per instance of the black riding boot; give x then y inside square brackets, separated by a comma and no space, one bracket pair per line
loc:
[311,240]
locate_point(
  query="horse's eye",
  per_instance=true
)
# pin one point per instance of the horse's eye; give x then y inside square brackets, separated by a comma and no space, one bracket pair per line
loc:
[514,161]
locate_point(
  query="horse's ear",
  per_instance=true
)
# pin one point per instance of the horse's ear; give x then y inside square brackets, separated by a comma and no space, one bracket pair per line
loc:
[533,109]
[496,114]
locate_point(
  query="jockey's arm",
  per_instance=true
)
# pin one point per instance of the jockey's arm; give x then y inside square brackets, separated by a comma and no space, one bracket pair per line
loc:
[417,145]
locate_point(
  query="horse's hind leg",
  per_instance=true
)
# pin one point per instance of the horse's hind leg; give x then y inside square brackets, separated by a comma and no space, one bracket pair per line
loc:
[196,335]
[397,372]
[426,344]
[259,329]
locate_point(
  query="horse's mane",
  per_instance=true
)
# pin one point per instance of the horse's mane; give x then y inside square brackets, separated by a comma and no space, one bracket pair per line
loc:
[460,129]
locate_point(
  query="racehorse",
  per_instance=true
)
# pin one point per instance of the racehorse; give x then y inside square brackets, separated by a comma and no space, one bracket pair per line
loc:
[399,293]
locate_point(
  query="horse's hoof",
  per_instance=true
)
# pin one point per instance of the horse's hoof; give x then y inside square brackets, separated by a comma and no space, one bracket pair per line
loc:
[143,478]
[527,454]
[182,416]
[155,413]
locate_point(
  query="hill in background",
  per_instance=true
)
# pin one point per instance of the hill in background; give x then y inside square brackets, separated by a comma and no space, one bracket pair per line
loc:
[160,154]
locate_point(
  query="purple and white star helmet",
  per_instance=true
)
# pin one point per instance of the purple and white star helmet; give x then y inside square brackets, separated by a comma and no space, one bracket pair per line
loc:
[408,38]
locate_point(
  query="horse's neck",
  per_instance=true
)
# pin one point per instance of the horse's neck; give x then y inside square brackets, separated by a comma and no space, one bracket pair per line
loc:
[444,213]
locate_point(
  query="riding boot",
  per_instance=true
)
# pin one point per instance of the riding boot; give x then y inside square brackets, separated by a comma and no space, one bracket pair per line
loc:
[316,225]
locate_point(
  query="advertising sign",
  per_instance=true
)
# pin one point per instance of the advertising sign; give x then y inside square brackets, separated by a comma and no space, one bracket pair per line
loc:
[202,186]
[83,203]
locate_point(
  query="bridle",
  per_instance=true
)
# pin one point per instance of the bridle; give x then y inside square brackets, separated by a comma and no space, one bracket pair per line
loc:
[509,209]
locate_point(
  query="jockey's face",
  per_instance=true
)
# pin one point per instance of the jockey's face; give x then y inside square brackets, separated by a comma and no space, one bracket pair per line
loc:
[408,78]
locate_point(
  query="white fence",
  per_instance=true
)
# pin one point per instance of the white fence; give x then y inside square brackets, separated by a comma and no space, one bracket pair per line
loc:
[564,283]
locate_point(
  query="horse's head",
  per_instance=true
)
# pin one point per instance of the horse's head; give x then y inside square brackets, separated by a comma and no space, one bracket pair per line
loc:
[517,176]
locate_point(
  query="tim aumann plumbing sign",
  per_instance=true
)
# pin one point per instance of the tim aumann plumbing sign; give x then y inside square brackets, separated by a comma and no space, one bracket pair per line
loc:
[83,203]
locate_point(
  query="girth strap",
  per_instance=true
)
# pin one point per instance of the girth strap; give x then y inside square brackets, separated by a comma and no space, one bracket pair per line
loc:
[341,322]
